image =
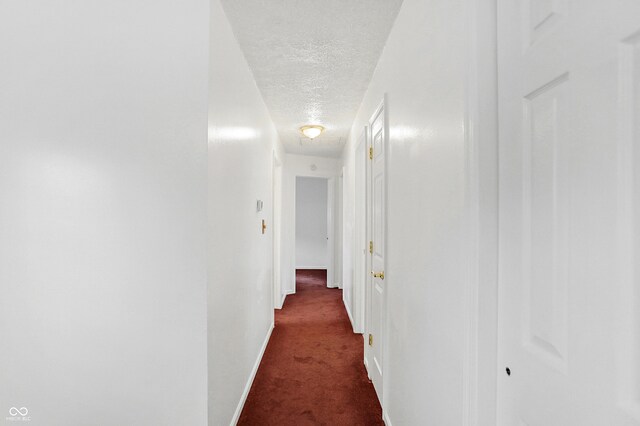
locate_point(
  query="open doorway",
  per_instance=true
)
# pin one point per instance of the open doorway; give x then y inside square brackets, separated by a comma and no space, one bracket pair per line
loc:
[312,225]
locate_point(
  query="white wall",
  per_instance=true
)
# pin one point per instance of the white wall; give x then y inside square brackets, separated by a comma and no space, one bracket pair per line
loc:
[311,223]
[297,165]
[242,140]
[423,71]
[103,121]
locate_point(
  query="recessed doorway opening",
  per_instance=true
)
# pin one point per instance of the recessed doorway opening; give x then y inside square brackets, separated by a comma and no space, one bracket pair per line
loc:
[312,224]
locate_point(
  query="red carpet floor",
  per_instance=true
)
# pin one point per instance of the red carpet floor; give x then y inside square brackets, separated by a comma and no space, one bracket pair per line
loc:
[312,371]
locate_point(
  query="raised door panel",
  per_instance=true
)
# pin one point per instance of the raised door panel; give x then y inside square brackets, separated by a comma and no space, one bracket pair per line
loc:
[545,211]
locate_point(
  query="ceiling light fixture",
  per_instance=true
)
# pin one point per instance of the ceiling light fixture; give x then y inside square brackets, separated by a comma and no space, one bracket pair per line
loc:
[311,131]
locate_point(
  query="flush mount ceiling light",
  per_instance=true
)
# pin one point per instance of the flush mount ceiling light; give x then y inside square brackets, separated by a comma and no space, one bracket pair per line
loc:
[311,131]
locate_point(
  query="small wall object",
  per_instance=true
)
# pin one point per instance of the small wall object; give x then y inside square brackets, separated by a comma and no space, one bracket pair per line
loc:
[259,205]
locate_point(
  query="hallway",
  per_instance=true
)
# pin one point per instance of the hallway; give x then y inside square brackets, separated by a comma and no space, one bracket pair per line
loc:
[312,371]
[467,173]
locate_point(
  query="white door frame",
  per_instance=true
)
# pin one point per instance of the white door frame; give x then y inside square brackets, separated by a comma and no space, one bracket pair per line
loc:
[481,216]
[330,231]
[331,226]
[360,249]
[339,231]
[382,338]
[276,216]
[628,192]
[367,263]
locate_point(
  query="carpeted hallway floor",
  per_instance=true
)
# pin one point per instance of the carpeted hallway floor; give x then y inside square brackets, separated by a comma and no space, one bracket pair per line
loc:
[312,371]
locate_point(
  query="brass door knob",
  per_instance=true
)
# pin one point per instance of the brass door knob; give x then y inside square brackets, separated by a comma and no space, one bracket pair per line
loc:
[378,275]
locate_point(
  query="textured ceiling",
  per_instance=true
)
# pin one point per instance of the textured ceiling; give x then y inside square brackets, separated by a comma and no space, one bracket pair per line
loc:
[312,61]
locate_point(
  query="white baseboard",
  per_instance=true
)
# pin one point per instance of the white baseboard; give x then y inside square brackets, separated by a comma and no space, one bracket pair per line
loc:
[385,418]
[322,268]
[247,387]
[346,307]
[366,367]
[281,304]
[284,296]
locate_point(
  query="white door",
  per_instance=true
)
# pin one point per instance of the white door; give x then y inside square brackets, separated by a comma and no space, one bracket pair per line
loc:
[569,92]
[374,343]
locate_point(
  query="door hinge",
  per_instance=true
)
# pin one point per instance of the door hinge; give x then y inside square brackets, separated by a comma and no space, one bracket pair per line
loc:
[371,153]
[371,247]
[370,339]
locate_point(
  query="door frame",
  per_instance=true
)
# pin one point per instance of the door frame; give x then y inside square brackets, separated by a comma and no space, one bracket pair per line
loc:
[329,177]
[382,108]
[276,233]
[627,229]
[480,369]
[359,249]
[331,228]
[338,240]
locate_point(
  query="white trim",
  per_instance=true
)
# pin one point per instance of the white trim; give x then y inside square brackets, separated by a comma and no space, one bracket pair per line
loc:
[321,268]
[290,175]
[331,229]
[281,302]
[479,368]
[346,307]
[359,242]
[384,108]
[366,364]
[276,229]
[385,418]
[367,232]
[330,226]
[628,397]
[338,230]
[294,235]
[284,296]
[247,388]
[471,227]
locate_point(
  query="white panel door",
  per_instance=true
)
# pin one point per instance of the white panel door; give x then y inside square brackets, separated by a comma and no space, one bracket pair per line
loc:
[376,338]
[569,73]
